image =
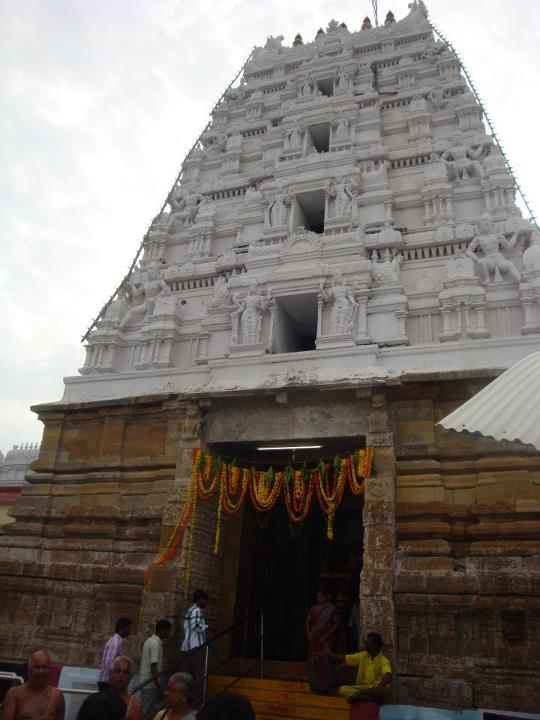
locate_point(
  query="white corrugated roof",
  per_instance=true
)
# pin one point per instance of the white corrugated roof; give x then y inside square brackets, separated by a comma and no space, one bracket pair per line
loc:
[506,409]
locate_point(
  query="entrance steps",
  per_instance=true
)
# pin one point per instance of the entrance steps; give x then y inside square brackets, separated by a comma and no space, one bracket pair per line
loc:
[287,699]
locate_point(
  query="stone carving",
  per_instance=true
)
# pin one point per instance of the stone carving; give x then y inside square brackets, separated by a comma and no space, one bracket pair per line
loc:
[387,272]
[149,289]
[460,267]
[193,421]
[341,128]
[462,160]
[342,193]
[222,295]
[343,304]
[387,237]
[247,318]
[439,100]
[184,208]
[273,44]
[343,82]
[492,262]
[276,212]
[436,170]
[307,88]
[495,164]
[531,256]
[228,259]
[375,173]
[294,136]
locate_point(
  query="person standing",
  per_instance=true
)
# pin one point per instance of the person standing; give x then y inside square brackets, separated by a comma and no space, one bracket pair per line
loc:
[322,625]
[114,647]
[151,667]
[195,628]
[35,698]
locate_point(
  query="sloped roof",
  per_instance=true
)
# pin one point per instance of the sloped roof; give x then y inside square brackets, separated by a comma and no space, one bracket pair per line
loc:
[506,409]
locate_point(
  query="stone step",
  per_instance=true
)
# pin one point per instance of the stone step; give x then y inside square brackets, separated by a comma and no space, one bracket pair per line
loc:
[281,698]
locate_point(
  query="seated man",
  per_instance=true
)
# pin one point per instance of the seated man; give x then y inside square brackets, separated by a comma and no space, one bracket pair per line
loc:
[374,673]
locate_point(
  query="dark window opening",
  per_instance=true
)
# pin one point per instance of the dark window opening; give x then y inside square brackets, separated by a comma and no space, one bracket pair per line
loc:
[295,324]
[309,211]
[319,138]
[326,87]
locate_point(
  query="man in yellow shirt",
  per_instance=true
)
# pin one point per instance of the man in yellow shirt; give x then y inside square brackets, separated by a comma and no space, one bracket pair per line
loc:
[374,675]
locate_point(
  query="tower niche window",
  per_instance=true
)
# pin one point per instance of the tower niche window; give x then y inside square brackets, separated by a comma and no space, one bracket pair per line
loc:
[318,138]
[308,211]
[295,324]
[326,87]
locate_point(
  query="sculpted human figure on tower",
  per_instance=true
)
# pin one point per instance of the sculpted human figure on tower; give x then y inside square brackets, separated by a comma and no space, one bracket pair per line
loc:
[151,287]
[492,262]
[277,209]
[247,318]
[462,159]
[343,304]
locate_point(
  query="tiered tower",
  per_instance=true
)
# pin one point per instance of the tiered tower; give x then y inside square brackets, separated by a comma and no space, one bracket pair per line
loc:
[341,260]
[345,202]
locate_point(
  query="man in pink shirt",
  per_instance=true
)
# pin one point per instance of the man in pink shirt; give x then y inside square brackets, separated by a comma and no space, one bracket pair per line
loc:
[113,648]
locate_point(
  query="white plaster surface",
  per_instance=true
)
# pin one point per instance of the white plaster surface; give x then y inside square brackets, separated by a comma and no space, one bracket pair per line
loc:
[378,201]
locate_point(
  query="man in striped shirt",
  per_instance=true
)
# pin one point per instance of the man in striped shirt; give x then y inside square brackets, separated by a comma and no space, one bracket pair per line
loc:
[194,636]
[114,647]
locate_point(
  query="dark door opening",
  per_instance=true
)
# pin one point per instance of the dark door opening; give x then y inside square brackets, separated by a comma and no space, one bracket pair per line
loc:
[281,567]
[295,324]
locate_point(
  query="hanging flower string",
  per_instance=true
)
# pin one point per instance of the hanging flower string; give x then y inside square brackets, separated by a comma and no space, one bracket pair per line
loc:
[212,475]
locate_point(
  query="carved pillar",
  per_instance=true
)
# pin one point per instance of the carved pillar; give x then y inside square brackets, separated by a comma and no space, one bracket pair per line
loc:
[377,580]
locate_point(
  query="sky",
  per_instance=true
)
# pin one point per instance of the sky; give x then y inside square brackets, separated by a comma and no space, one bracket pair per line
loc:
[100,102]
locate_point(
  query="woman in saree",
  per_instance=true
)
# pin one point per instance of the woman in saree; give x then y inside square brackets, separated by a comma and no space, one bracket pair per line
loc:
[322,625]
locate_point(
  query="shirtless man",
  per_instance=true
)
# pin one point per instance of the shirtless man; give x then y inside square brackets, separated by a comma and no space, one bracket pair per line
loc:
[35,699]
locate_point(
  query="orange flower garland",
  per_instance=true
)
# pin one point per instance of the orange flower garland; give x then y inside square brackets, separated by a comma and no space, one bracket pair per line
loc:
[209,472]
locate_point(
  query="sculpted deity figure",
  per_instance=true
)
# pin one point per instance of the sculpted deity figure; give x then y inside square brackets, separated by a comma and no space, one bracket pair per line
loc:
[277,210]
[342,193]
[342,82]
[307,88]
[492,262]
[387,272]
[462,161]
[247,318]
[294,136]
[221,296]
[273,44]
[343,304]
[151,287]
[440,102]
[184,208]
[341,128]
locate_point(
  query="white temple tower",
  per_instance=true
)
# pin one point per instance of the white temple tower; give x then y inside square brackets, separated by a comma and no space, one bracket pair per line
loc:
[342,261]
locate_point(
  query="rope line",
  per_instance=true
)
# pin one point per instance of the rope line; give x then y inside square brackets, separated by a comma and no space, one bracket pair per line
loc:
[486,116]
[177,180]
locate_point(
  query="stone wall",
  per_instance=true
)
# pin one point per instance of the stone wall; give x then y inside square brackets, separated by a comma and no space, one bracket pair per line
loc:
[86,526]
[451,567]
[467,579]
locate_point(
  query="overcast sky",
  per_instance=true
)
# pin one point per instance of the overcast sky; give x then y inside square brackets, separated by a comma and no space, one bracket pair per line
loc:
[100,102]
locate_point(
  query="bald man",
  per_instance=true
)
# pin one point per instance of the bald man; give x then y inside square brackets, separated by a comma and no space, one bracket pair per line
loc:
[35,699]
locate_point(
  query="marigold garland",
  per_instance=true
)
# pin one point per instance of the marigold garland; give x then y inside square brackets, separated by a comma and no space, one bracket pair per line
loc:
[327,480]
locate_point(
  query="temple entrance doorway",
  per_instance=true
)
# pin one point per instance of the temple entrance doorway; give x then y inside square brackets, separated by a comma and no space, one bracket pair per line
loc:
[281,564]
